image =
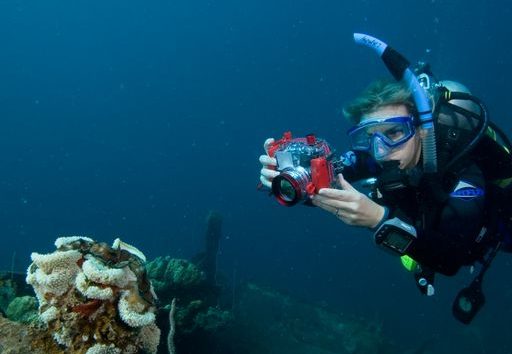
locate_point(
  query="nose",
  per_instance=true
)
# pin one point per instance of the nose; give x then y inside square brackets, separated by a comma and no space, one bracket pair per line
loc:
[380,150]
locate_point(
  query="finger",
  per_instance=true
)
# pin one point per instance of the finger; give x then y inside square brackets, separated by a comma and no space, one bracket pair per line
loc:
[267,160]
[340,213]
[269,174]
[331,204]
[338,194]
[267,143]
[323,205]
[265,182]
[344,183]
[347,220]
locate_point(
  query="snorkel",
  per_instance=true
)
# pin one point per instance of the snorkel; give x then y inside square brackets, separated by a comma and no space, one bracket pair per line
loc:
[399,68]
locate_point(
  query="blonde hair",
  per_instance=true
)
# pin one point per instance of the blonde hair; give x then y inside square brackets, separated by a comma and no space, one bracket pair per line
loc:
[378,94]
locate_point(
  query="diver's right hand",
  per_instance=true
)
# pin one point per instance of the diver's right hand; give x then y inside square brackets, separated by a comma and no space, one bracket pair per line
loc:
[268,171]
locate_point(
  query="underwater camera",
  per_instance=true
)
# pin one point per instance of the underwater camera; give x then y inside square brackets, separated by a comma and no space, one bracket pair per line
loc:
[305,165]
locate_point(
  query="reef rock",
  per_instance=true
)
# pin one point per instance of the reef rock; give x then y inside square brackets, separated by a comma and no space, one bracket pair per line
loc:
[270,322]
[94,298]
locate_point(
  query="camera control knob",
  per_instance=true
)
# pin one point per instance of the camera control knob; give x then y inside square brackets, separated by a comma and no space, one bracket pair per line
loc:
[311,139]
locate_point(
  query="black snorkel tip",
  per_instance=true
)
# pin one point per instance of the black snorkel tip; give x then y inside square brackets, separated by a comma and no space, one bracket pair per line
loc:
[395,62]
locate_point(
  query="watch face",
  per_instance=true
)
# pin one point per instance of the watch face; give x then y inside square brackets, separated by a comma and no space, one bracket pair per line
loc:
[397,240]
[395,235]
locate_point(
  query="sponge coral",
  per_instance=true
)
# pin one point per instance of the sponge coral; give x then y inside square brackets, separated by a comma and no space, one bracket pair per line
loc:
[133,311]
[53,273]
[95,298]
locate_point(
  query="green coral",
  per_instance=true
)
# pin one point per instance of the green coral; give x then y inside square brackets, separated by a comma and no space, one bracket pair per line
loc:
[23,309]
[168,273]
[197,316]
[213,319]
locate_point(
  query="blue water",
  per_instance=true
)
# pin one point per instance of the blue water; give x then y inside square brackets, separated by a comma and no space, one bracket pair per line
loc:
[134,119]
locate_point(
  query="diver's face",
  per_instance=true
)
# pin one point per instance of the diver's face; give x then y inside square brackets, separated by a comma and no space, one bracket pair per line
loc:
[407,154]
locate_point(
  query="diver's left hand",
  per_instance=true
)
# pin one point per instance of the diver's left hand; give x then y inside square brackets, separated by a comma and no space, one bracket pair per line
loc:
[349,205]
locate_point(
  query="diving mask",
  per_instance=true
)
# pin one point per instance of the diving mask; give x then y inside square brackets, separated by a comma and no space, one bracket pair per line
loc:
[380,136]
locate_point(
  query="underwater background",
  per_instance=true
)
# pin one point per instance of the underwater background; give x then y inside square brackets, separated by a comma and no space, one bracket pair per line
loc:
[133,119]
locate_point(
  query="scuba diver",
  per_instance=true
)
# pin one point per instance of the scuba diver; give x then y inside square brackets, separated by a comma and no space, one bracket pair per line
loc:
[439,173]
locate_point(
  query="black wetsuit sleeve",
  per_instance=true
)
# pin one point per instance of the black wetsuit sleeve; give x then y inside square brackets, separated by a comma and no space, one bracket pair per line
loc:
[447,232]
